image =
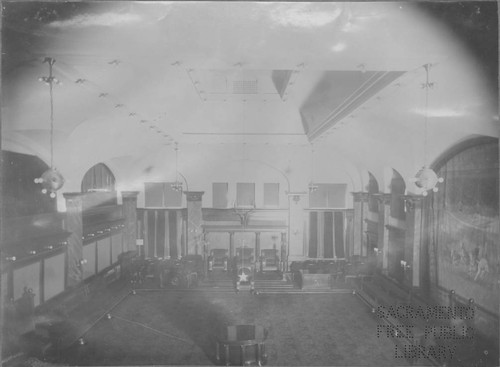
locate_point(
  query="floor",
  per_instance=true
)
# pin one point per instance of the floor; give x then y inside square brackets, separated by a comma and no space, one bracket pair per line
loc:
[143,325]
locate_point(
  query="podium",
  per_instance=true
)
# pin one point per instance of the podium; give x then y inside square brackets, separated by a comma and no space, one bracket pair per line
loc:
[242,345]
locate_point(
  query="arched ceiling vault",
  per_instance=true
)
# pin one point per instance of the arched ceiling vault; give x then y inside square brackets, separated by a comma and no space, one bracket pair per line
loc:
[243,78]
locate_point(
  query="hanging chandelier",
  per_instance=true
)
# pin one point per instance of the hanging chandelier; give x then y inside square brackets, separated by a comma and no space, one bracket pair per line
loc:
[426,179]
[51,180]
[177,185]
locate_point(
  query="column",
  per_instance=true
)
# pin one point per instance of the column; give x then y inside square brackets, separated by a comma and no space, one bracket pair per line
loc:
[283,253]
[349,217]
[129,205]
[297,238]
[231,245]
[383,231]
[257,246]
[360,226]
[413,205]
[194,220]
[73,223]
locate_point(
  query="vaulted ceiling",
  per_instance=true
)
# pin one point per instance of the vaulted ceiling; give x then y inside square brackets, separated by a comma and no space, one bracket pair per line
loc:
[247,80]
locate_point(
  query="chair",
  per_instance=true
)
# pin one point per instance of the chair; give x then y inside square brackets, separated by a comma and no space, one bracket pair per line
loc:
[242,345]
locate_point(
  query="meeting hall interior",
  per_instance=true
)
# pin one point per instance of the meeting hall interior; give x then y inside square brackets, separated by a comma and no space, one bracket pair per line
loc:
[250,183]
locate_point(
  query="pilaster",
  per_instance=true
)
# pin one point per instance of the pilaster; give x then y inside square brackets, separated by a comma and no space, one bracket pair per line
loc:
[74,224]
[296,225]
[413,205]
[360,201]
[129,205]
[383,231]
[231,245]
[194,220]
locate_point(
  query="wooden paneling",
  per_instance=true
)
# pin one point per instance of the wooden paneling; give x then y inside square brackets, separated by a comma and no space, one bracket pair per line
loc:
[27,277]
[116,246]
[103,253]
[53,280]
[21,196]
[89,254]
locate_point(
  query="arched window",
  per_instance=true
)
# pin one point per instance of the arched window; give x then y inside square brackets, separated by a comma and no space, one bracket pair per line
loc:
[98,178]
[398,188]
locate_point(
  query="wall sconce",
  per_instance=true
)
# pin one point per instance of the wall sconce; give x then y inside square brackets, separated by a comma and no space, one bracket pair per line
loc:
[409,205]
[81,262]
[295,195]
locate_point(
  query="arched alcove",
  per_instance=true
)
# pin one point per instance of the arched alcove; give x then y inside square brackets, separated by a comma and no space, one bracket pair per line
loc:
[398,188]
[99,185]
[98,178]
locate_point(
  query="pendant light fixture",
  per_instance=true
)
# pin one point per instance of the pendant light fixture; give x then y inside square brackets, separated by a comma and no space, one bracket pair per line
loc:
[51,180]
[426,179]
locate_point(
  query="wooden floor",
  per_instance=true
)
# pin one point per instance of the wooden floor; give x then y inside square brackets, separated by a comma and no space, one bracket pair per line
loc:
[180,328]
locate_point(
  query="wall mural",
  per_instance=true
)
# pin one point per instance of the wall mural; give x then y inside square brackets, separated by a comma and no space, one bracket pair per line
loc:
[466,225]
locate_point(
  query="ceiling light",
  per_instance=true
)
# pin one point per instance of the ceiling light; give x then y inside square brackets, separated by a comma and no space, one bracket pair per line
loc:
[51,180]
[426,179]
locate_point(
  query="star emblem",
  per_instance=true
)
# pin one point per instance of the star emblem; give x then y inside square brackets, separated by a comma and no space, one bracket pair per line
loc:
[243,277]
